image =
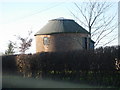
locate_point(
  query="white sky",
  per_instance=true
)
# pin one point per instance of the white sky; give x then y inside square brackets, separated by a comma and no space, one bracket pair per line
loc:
[18,17]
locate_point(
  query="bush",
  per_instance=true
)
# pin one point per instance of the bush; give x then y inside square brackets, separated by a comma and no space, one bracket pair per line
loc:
[96,67]
[9,64]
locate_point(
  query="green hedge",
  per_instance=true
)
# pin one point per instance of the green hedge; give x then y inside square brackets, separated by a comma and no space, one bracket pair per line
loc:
[9,64]
[96,67]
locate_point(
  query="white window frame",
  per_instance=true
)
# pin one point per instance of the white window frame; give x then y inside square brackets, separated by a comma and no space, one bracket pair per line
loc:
[46,41]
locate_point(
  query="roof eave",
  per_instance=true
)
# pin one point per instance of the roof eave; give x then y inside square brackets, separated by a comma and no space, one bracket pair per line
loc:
[59,33]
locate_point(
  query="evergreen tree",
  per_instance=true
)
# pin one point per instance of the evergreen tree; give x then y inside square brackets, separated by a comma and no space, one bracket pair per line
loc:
[10,50]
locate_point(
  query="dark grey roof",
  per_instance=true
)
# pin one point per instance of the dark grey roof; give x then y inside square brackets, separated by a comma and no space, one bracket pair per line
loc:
[92,41]
[55,26]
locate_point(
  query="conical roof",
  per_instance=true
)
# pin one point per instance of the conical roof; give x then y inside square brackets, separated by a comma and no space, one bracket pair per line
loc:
[56,26]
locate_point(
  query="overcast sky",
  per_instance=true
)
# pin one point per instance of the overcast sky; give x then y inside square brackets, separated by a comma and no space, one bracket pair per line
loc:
[18,17]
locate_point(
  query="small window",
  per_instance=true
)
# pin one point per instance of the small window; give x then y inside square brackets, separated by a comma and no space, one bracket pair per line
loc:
[85,43]
[84,40]
[46,41]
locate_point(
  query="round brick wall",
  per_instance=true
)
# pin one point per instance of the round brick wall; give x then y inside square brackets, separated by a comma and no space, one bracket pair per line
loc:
[60,42]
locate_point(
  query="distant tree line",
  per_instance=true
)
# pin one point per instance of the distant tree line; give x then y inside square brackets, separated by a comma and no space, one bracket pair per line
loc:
[94,67]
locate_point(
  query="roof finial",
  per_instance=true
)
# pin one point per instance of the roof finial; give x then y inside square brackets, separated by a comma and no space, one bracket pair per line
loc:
[61,18]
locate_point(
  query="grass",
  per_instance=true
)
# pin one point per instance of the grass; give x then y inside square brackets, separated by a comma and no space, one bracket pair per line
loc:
[20,82]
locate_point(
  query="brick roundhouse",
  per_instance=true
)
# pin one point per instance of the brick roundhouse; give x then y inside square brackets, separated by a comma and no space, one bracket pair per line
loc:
[61,35]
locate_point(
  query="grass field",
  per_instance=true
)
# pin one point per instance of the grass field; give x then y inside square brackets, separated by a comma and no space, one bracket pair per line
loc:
[20,82]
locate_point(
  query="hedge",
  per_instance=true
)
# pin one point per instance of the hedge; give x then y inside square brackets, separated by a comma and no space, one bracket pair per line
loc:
[94,67]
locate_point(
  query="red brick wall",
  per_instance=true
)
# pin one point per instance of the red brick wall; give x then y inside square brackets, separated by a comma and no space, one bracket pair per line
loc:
[60,42]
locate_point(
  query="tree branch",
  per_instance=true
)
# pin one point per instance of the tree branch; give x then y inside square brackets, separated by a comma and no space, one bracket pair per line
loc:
[81,12]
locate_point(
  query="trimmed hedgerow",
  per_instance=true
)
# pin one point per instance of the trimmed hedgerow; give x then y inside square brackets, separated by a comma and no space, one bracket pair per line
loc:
[94,67]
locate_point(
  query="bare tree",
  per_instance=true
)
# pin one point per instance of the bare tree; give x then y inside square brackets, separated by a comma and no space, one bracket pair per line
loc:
[94,18]
[25,43]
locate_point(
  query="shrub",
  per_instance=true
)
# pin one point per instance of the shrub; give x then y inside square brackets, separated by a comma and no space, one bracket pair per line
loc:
[96,67]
